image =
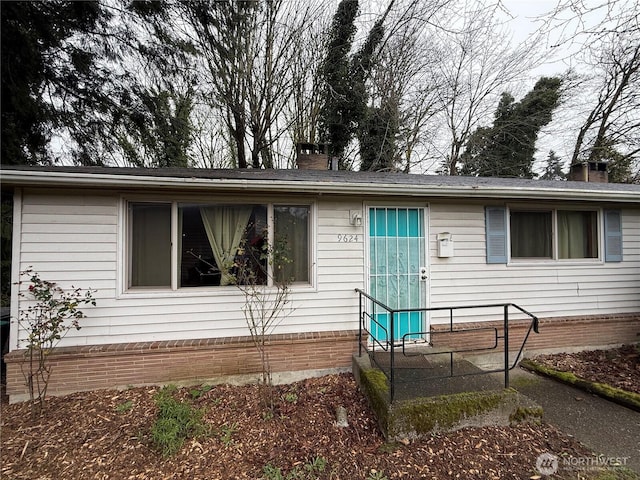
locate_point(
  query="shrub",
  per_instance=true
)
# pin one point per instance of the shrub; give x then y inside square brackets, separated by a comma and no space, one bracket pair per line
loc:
[47,321]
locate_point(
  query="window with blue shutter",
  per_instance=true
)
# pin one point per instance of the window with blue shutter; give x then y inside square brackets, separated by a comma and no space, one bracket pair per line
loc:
[496,234]
[612,236]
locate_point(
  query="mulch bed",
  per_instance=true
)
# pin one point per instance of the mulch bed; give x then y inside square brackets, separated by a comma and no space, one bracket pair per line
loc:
[617,367]
[106,434]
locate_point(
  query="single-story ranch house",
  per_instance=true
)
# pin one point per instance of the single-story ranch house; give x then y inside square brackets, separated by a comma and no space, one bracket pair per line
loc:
[159,247]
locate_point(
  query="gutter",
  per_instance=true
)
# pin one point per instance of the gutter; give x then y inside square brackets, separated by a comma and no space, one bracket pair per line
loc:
[113,181]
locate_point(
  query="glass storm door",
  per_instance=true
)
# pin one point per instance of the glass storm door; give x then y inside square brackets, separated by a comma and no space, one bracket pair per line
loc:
[398,273]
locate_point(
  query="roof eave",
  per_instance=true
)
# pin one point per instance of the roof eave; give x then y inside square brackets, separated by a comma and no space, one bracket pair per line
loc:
[113,181]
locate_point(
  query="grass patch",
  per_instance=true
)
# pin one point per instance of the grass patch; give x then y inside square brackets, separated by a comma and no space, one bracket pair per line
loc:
[176,422]
[196,393]
[124,407]
[311,470]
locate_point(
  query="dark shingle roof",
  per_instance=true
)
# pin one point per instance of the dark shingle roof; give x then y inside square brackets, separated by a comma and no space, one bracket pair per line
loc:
[361,182]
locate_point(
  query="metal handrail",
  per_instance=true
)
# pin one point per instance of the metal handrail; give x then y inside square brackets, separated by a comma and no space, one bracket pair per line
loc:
[391,340]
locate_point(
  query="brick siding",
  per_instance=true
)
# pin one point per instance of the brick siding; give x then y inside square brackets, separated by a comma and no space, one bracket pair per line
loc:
[554,333]
[117,365]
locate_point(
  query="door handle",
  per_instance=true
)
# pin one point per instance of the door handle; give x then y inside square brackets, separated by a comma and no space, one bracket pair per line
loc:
[423,273]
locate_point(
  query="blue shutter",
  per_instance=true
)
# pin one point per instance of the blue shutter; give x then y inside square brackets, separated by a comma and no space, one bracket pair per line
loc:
[612,236]
[496,234]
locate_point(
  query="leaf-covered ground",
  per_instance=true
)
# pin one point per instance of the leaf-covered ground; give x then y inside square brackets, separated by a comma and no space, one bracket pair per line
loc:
[107,434]
[618,367]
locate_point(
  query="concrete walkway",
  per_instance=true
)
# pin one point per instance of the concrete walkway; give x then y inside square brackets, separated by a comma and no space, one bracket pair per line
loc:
[604,427]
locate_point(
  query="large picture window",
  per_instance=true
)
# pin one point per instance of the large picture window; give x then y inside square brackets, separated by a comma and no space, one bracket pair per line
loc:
[217,245]
[213,237]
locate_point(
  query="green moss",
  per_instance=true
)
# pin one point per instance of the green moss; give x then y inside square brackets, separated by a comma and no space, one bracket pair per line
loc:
[441,413]
[377,380]
[524,381]
[522,414]
[628,399]
[376,389]
[425,416]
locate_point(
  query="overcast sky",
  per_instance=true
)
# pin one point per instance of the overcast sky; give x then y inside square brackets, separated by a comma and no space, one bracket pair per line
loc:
[526,20]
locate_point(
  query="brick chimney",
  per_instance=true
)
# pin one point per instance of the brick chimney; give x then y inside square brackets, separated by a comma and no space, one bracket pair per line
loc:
[313,156]
[589,172]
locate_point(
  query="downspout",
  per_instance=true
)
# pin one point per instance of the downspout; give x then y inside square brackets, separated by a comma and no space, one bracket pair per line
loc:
[16,249]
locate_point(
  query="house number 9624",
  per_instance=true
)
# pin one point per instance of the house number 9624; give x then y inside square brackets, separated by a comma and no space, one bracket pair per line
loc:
[347,238]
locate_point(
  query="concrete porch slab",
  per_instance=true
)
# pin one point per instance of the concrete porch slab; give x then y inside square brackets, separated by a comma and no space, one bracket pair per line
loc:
[424,405]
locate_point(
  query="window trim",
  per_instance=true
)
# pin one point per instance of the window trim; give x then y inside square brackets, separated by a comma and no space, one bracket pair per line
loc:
[617,236]
[126,238]
[123,269]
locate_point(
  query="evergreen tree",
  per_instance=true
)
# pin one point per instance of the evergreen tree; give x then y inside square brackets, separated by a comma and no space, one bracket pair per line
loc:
[345,93]
[337,111]
[158,131]
[39,60]
[377,137]
[553,168]
[506,149]
[619,166]
[106,77]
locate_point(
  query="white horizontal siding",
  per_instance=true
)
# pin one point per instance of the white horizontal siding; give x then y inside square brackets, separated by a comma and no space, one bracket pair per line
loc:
[73,239]
[545,289]
[340,270]
[69,238]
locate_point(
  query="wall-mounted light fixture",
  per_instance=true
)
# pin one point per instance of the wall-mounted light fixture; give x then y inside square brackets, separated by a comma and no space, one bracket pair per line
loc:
[355,218]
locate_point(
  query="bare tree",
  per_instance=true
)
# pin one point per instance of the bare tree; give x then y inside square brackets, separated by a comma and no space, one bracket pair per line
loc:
[249,50]
[613,117]
[400,81]
[259,273]
[477,64]
[303,112]
[577,21]
[213,146]
[606,101]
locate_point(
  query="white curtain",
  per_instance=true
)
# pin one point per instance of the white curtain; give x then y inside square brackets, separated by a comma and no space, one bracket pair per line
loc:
[576,234]
[225,226]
